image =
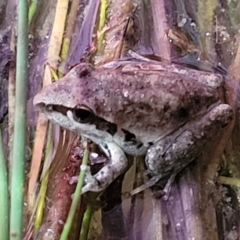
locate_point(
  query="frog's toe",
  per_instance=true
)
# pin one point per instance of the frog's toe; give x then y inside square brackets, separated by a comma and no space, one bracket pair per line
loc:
[167,188]
[90,182]
[153,181]
[148,184]
[89,187]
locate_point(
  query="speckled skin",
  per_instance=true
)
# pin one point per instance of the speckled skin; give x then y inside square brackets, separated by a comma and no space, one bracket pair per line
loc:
[150,104]
[136,109]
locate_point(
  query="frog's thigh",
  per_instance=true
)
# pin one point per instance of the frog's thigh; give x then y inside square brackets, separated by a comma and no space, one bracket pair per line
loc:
[173,153]
[117,164]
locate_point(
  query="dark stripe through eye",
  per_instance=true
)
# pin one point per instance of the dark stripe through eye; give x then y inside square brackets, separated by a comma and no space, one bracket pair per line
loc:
[58,108]
[83,114]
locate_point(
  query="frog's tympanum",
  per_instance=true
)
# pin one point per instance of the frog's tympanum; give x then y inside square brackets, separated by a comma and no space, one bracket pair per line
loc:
[168,114]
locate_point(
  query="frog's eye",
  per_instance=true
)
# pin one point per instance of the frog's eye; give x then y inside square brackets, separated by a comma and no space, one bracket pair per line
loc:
[83,114]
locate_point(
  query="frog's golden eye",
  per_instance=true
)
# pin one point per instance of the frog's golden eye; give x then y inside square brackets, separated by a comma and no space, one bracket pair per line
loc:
[83,114]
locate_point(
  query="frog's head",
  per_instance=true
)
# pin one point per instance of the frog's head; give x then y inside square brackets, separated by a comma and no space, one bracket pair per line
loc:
[70,102]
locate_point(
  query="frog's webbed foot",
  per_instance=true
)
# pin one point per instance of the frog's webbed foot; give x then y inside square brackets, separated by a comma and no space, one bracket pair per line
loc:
[117,164]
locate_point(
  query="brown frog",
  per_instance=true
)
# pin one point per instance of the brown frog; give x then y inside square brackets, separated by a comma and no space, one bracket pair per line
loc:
[166,112]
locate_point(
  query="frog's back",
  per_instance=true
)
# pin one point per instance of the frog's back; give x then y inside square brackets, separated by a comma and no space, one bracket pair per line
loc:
[152,103]
[146,102]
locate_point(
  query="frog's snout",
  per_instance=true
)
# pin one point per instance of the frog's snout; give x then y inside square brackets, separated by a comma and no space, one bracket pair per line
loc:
[37,100]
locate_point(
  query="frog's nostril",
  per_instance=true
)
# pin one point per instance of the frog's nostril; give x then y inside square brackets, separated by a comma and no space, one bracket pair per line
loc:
[49,107]
[40,106]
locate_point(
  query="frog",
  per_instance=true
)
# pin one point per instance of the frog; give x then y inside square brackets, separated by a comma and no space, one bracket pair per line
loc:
[165,112]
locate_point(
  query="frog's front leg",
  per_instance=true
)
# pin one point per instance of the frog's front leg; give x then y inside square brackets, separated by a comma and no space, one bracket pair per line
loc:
[117,164]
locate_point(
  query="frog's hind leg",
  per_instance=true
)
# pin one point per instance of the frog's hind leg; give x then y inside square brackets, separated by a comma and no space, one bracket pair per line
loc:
[163,163]
[170,155]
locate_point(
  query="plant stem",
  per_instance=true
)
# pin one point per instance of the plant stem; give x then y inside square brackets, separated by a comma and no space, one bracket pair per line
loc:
[19,139]
[4,198]
[86,223]
[102,22]
[76,198]
[32,10]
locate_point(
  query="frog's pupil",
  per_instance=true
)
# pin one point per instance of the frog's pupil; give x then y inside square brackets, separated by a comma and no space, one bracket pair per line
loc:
[82,115]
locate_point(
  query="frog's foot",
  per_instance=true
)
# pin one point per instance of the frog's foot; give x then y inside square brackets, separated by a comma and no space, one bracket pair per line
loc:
[148,184]
[167,188]
[117,164]
[153,181]
[91,183]
[172,154]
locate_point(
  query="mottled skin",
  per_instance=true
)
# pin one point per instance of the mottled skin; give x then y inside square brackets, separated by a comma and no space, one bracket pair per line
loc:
[138,112]
[139,103]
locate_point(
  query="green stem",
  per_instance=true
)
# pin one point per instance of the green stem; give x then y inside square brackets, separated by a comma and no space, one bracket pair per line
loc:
[41,203]
[32,10]
[19,138]
[229,181]
[4,198]
[102,20]
[45,179]
[76,198]
[86,223]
